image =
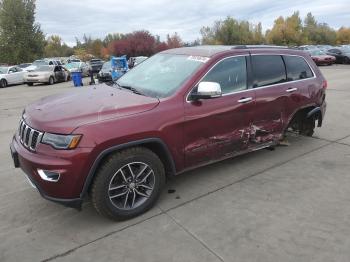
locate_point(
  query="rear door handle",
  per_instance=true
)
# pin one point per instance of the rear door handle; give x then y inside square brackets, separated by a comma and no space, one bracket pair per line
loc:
[290,90]
[245,99]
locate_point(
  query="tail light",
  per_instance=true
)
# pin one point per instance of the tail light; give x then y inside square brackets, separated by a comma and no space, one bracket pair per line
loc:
[324,84]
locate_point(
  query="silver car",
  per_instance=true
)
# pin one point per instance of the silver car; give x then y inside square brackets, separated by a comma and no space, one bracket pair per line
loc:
[10,75]
[78,67]
[46,74]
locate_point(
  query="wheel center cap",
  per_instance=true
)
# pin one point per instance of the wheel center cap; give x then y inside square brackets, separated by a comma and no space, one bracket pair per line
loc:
[132,185]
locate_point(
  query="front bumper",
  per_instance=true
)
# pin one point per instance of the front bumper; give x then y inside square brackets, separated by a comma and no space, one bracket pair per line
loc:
[104,78]
[69,163]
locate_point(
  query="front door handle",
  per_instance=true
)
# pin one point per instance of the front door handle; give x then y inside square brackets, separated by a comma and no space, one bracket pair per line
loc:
[290,90]
[245,100]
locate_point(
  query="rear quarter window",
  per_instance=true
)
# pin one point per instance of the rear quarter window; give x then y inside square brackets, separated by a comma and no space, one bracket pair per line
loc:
[268,70]
[297,68]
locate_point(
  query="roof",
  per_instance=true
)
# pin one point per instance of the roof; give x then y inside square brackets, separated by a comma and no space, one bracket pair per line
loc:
[211,50]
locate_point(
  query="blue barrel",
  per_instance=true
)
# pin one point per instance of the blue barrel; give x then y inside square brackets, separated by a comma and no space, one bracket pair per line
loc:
[77,78]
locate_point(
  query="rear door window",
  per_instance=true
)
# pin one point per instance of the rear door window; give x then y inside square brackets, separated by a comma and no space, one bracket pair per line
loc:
[268,70]
[297,68]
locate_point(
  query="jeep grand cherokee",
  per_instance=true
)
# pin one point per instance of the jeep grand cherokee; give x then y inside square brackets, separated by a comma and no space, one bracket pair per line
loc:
[180,109]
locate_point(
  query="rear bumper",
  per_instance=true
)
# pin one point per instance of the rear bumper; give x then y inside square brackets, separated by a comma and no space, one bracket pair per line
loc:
[65,191]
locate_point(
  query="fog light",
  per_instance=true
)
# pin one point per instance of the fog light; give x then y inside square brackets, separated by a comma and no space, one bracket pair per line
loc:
[50,176]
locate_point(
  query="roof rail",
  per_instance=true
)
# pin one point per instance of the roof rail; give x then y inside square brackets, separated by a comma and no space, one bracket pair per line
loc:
[259,46]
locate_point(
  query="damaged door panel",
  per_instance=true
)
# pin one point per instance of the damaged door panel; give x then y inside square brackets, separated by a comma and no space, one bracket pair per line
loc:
[271,97]
[217,127]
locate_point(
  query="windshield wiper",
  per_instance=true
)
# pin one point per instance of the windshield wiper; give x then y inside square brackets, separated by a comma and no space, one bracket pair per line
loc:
[133,89]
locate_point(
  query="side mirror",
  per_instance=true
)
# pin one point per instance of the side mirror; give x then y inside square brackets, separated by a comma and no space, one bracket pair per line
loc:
[207,90]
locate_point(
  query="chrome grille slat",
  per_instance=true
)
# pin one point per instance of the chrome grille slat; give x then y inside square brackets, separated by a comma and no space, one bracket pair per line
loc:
[29,137]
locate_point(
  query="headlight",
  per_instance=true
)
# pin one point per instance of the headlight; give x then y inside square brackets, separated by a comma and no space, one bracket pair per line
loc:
[61,141]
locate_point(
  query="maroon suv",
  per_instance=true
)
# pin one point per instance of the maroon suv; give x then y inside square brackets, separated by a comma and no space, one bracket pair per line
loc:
[180,109]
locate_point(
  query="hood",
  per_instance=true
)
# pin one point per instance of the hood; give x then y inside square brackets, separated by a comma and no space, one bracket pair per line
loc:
[30,68]
[38,73]
[65,112]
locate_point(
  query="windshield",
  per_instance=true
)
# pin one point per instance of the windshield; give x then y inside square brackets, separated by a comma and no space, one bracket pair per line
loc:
[44,68]
[345,49]
[317,52]
[40,62]
[73,65]
[161,75]
[106,66]
[3,70]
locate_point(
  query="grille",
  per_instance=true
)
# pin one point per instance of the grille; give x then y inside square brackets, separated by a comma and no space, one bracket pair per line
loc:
[28,136]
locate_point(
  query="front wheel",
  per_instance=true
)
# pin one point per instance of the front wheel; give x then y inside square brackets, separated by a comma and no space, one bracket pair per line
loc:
[3,83]
[51,80]
[128,183]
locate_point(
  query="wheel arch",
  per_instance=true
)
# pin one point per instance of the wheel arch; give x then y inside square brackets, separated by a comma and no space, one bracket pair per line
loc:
[307,112]
[156,145]
[4,79]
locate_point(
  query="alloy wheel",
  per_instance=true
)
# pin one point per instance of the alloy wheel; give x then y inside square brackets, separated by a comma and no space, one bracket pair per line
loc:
[131,185]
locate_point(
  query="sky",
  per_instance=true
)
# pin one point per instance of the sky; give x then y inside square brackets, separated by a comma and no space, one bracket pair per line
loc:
[74,18]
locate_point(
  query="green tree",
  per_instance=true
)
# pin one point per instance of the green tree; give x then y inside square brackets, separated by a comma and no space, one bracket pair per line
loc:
[317,33]
[112,37]
[56,48]
[232,32]
[310,29]
[21,39]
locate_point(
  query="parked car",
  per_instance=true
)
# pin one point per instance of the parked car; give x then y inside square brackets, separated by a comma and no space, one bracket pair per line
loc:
[96,65]
[321,58]
[324,48]
[341,54]
[307,47]
[179,109]
[40,62]
[24,65]
[78,66]
[46,74]
[105,74]
[73,60]
[134,61]
[10,75]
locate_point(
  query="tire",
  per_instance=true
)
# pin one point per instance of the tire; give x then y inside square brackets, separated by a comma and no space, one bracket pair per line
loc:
[307,127]
[346,60]
[3,83]
[29,84]
[114,192]
[51,80]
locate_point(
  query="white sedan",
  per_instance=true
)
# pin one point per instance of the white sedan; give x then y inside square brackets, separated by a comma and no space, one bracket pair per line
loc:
[11,75]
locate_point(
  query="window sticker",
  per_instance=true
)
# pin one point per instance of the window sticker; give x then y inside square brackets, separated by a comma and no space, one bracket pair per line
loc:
[201,59]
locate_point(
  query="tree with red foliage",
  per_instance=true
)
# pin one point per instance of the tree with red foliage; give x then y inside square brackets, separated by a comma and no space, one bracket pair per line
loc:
[138,43]
[141,43]
[174,41]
